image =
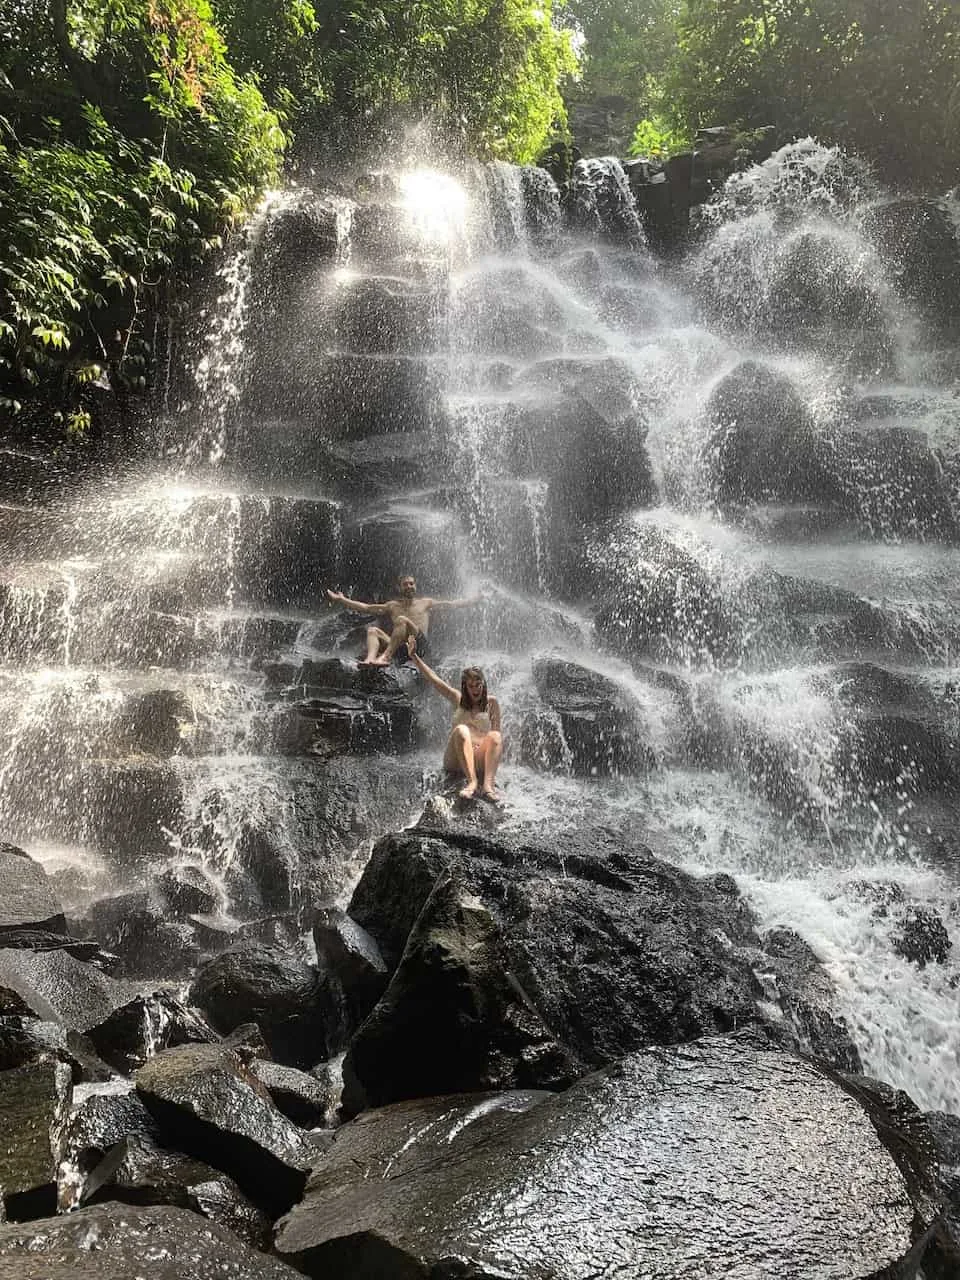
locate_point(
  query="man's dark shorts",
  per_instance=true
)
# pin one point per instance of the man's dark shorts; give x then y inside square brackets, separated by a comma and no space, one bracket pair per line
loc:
[423,649]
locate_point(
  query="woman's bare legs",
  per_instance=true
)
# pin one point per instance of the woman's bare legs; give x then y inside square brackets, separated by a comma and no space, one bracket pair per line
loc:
[489,752]
[459,756]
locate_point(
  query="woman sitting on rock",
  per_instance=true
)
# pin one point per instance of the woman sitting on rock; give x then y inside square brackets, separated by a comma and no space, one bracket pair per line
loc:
[475,745]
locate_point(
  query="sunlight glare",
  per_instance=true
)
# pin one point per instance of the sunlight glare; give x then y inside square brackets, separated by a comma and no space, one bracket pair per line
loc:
[436,205]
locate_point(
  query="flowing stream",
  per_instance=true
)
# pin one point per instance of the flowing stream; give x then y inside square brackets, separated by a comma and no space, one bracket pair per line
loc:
[720,491]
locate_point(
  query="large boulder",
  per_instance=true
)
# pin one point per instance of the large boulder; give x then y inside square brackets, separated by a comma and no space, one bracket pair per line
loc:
[26,898]
[34,1102]
[453,1018]
[210,1106]
[101,1116]
[137,1171]
[56,987]
[587,724]
[285,996]
[678,1161]
[918,240]
[595,940]
[124,1242]
[761,446]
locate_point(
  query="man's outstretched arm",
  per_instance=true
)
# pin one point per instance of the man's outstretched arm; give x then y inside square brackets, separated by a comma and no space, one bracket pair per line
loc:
[456,604]
[358,606]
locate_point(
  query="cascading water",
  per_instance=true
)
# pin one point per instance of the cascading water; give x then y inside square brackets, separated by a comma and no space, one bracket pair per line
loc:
[717,546]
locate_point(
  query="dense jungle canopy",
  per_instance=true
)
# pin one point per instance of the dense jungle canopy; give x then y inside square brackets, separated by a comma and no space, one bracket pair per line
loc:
[133,133]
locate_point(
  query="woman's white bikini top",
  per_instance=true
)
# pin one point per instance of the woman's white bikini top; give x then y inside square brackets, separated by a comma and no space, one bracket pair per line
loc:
[476,721]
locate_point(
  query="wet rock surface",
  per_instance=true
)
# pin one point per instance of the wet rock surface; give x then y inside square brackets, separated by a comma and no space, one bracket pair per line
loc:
[33,1101]
[145,1025]
[672,1162]
[25,1039]
[801,986]
[26,898]
[943,1259]
[597,940]
[453,1017]
[277,989]
[100,1117]
[122,1241]
[593,727]
[136,1171]
[55,987]
[210,1106]
[353,961]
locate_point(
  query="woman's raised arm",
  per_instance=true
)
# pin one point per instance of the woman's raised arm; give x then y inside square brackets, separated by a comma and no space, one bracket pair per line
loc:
[448,691]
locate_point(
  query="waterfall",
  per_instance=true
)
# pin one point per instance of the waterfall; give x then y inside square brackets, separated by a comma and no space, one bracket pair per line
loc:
[713,509]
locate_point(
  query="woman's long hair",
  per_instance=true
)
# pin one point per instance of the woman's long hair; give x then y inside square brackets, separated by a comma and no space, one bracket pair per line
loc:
[473,673]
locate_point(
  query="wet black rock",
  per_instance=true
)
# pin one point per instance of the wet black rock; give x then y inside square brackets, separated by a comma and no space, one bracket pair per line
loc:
[800,985]
[691,1138]
[137,1171]
[210,1106]
[273,987]
[331,807]
[352,959]
[43,940]
[919,243]
[121,1241]
[308,230]
[453,1017]
[892,482]
[53,986]
[761,445]
[145,1025]
[328,721]
[159,722]
[656,598]
[26,898]
[187,889]
[396,535]
[592,726]
[24,1040]
[302,1098]
[943,1259]
[101,1116]
[597,939]
[129,805]
[134,926]
[922,937]
[603,470]
[33,1102]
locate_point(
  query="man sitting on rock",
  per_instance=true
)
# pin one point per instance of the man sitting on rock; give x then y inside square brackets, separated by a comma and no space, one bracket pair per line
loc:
[409,618]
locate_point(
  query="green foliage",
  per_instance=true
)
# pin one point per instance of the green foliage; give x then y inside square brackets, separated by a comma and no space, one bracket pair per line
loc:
[659,138]
[879,76]
[488,69]
[128,145]
[626,47]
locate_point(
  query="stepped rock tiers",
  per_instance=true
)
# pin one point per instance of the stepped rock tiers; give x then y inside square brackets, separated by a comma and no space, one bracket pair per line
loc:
[271,999]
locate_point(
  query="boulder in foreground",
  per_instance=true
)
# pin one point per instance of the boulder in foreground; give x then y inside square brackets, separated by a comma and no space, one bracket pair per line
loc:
[721,1157]
[525,964]
[120,1242]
